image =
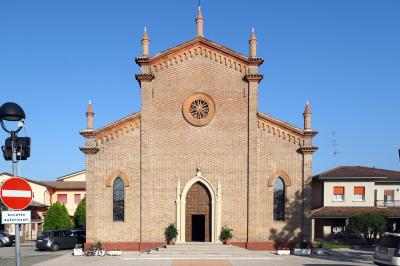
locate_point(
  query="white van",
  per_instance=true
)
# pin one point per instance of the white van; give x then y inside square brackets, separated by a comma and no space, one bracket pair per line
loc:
[388,250]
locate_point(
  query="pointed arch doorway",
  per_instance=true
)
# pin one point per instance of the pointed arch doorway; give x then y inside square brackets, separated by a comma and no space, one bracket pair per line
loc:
[198,211]
[198,214]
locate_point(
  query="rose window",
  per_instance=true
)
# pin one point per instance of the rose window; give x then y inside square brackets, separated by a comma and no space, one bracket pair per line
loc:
[199,109]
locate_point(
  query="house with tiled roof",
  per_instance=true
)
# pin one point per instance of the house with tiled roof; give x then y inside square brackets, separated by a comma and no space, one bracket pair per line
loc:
[68,189]
[344,191]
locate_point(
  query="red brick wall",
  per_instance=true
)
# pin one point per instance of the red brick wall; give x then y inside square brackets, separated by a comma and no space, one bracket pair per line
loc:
[172,149]
[166,148]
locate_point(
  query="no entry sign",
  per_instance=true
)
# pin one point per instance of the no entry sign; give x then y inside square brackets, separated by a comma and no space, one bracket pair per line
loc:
[16,193]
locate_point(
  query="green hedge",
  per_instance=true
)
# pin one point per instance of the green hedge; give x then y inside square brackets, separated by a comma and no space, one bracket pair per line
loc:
[57,217]
[80,214]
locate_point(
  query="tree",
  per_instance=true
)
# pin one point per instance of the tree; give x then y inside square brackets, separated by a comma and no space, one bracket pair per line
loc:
[56,218]
[369,224]
[80,213]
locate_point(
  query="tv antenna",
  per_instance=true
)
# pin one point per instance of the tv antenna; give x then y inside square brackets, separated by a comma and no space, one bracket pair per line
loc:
[334,147]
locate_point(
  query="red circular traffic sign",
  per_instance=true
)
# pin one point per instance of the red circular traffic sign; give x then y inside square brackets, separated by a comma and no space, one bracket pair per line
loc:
[16,193]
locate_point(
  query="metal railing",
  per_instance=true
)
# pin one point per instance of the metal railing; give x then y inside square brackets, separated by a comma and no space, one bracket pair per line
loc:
[387,203]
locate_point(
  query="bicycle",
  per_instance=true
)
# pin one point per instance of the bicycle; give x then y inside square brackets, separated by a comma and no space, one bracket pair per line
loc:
[95,252]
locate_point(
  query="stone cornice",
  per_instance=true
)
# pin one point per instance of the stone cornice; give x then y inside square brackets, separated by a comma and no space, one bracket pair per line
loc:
[311,133]
[141,60]
[87,133]
[89,150]
[256,60]
[144,77]
[308,149]
[254,77]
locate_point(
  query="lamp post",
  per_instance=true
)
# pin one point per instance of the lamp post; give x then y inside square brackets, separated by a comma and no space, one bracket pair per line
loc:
[15,149]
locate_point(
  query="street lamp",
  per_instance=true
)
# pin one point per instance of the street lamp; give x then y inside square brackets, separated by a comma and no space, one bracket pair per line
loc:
[15,149]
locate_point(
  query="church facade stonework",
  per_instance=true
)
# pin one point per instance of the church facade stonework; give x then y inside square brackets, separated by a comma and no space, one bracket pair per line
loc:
[198,155]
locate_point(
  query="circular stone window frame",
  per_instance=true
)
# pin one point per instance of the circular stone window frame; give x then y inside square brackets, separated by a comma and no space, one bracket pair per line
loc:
[188,103]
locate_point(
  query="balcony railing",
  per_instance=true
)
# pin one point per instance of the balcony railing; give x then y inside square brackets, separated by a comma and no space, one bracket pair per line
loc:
[383,203]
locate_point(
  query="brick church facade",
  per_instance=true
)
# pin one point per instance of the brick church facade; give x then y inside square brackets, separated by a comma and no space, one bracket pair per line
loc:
[198,155]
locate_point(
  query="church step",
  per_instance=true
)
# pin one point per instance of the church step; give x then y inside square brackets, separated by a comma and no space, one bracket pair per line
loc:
[181,247]
[201,249]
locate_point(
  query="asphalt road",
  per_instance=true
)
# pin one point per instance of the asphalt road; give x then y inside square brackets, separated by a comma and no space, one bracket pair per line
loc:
[29,255]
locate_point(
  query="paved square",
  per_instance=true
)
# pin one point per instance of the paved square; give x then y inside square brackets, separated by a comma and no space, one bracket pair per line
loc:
[344,257]
[201,263]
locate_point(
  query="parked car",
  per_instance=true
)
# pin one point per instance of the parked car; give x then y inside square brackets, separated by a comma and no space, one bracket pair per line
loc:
[80,234]
[57,239]
[387,252]
[6,239]
[343,236]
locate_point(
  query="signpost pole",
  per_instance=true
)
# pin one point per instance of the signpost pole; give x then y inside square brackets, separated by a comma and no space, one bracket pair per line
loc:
[14,169]
[13,112]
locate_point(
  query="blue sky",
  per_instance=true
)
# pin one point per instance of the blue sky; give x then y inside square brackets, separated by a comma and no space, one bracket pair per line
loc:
[342,55]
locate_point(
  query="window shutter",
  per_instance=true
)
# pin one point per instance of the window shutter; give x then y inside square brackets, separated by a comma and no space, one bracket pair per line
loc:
[77,198]
[62,198]
[388,192]
[359,190]
[338,190]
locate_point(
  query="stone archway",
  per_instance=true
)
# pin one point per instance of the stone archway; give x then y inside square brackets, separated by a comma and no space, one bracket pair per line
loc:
[215,212]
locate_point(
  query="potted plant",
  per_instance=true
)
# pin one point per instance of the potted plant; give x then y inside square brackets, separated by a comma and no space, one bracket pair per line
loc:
[226,235]
[78,251]
[302,249]
[282,249]
[170,234]
[297,249]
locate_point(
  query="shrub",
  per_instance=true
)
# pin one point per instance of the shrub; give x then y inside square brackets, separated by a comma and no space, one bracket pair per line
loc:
[226,233]
[56,218]
[80,214]
[171,232]
[369,224]
[97,245]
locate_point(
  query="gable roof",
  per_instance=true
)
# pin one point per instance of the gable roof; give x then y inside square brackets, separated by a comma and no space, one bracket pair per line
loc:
[360,172]
[281,124]
[6,173]
[27,179]
[61,178]
[79,185]
[125,124]
[199,41]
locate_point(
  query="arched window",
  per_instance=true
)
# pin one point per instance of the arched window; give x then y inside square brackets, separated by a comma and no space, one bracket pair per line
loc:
[279,199]
[118,199]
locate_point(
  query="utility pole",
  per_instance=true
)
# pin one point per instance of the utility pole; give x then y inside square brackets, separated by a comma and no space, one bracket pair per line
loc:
[334,145]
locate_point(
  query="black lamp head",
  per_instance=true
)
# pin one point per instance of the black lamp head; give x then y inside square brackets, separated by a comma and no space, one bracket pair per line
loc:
[11,112]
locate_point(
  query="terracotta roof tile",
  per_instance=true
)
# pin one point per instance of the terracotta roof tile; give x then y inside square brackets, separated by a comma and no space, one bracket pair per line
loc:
[65,184]
[360,171]
[346,212]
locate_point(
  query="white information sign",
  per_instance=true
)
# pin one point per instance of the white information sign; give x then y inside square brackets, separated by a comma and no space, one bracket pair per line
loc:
[16,217]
